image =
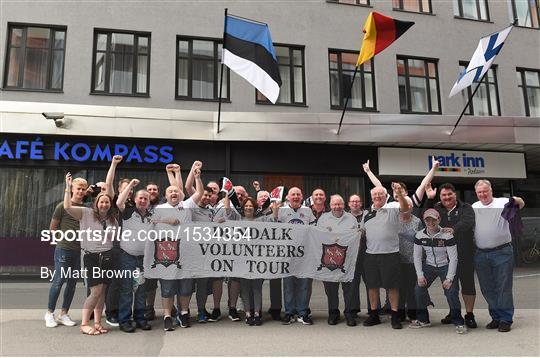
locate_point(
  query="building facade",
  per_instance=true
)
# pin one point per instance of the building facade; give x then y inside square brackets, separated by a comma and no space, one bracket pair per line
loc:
[146,75]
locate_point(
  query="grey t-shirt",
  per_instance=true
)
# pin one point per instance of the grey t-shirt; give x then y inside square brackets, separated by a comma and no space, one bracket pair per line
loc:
[96,241]
[382,227]
[138,225]
[407,234]
[330,223]
[198,213]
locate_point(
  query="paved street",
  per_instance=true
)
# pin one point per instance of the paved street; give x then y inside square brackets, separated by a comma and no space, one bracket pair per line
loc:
[22,331]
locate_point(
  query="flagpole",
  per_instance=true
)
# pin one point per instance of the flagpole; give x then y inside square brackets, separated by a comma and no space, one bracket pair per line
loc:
[468,101]
[347,100]
[221,76]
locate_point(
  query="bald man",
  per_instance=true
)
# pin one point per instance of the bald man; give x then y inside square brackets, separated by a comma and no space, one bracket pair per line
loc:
[337,220]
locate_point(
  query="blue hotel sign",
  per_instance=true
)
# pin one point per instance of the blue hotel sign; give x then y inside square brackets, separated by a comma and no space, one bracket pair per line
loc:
[83,152]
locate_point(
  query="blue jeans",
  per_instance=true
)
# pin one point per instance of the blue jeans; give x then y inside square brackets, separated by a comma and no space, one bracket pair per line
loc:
[452,295]
[129,262]
[494,270]
[66,259]
[296,295]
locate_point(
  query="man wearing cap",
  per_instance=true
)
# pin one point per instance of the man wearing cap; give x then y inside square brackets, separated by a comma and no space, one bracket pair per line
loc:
[457,217]
[494,257]
[441,254]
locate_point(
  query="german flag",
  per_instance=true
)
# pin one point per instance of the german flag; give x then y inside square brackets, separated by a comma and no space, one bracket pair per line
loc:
[380,31]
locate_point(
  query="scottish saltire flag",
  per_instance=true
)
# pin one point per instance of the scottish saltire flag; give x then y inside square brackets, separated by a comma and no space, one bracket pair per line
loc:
[485,53]
[249,52]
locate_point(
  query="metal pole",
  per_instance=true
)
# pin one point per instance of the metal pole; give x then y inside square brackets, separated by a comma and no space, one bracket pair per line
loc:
[467,105]
[221,75]
[347,100]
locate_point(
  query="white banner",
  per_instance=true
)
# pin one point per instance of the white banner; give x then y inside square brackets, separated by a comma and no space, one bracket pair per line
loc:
[252,250]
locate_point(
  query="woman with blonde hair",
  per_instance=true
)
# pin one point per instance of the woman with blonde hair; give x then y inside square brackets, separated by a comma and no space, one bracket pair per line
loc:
[97,228]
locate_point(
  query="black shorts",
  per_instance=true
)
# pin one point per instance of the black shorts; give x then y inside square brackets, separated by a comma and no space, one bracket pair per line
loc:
[97,265]
[150,284]
[465,274]
[382,270]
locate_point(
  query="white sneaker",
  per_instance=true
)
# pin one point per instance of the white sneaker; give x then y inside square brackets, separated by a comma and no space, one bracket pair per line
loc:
[49,320]
[418,324]
[66,320]
[461,329]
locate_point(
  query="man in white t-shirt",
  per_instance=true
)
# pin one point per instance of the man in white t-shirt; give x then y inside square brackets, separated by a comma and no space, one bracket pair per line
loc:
[173,213]
[337,220]
[494,258]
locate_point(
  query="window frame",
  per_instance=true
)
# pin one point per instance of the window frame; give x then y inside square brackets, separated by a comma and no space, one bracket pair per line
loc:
[136,34]
[25,26]
[291,65]
[469,111]
[217,70]
[524,86]
[514,15]
[341,84]
[426,77]
[478,12]
[356,4]
[420,5]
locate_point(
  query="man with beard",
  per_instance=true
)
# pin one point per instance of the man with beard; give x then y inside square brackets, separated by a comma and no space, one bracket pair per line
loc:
[458,219]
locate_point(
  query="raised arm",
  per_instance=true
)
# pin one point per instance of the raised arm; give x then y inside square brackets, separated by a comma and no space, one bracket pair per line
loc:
[175,178]
[199,187]
[122,197]
[190,189]
[178,175]
[74,211]
[374,180]
[109,181]
[170,174]
[403,204]
[420,191]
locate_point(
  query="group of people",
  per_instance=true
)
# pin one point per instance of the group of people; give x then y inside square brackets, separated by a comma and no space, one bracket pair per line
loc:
[407,242]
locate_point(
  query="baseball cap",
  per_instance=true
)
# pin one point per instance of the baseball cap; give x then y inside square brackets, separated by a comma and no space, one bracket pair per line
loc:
[432,213]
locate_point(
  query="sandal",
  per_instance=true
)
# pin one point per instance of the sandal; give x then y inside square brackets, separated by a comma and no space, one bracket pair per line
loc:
[98,327]
[89,330]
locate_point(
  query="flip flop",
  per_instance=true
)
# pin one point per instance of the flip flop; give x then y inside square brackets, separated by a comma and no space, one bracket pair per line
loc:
[100,328]
[89,330]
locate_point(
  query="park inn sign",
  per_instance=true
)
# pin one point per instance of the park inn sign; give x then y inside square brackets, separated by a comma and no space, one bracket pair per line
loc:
[453,163]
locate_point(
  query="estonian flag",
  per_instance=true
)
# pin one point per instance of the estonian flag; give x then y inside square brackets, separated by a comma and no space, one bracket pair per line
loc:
[248,51]
[380,31]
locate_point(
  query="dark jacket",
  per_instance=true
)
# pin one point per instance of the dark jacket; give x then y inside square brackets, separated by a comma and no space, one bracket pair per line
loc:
[461,219]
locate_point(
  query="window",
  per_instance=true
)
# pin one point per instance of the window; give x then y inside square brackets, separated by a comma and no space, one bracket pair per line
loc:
[423,6]
[471,9]
[526,12]
[529,82]
[486,98]
[35,57]
[342,65]
[418,81]
[121,63]
[198,69]
[351,2]
[291,69]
